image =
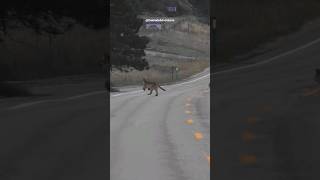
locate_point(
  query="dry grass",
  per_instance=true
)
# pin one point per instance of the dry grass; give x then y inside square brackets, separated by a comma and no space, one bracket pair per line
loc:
[160,73]
[185,37]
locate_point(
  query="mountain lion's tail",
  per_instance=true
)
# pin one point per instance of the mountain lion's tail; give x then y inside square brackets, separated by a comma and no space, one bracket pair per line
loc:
[162,88]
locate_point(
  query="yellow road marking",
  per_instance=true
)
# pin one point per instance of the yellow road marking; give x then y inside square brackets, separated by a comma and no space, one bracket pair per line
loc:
[188,105]
[198,136]
[189,121]
[248,136]
[248,159]
[188,112]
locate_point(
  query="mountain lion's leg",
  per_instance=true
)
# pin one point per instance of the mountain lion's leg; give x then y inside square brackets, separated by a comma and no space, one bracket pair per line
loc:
[150,91]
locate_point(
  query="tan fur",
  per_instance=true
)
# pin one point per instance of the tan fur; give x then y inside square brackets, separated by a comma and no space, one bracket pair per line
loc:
[151,86]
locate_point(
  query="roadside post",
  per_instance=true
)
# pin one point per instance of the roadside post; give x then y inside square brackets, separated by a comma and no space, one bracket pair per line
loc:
[172,71]
[177,69]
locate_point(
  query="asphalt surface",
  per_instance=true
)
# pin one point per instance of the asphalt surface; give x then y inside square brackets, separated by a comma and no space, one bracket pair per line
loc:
[57,139]
[266,118]
[65,137]
[161,137]
[265,126]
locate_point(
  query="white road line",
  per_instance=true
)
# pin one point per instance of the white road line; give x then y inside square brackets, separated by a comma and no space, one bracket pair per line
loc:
[271,59]
[127,93]
[239,68]
[183,83]
[175,85]
[84,95]
[27,104]
[243,67]
[191,81]
[55,100]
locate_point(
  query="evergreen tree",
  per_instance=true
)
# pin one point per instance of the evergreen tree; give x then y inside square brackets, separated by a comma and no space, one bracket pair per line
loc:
[127,47]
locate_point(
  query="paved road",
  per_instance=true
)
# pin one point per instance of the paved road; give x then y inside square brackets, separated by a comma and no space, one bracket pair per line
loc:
[266,119]
[162,138]
[62,139]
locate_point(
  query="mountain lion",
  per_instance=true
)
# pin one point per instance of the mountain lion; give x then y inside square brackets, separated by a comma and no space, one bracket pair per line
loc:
[151,86]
